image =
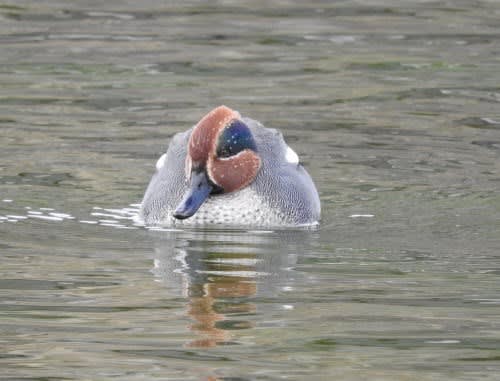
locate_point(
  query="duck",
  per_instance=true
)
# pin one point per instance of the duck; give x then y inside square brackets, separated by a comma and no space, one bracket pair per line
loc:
[230,170]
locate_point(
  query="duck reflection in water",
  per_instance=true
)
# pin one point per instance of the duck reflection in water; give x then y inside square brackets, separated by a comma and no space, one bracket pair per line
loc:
[218,298]
[223,275]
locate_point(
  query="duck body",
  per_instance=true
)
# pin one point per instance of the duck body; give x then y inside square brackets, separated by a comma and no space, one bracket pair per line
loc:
[233,171]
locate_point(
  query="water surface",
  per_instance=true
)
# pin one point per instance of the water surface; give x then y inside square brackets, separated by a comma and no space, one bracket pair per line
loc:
[392,106]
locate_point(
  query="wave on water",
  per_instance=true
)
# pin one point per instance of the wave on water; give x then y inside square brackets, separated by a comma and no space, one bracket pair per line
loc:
[122,218]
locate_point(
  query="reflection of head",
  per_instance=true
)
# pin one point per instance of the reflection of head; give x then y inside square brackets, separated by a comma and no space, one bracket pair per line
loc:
[219,271]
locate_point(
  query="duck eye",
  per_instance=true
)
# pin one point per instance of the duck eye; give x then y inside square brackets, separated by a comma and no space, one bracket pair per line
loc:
[235,138]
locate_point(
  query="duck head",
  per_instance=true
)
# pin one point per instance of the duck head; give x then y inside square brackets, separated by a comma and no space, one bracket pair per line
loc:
[221,158]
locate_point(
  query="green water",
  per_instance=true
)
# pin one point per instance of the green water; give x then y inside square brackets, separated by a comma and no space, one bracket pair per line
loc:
[393,106]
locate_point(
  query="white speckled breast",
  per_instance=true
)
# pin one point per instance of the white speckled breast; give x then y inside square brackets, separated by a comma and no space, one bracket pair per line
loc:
[242,208]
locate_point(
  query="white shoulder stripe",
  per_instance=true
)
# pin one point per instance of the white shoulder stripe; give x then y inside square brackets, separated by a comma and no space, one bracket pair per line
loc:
[291,156]
[161,162]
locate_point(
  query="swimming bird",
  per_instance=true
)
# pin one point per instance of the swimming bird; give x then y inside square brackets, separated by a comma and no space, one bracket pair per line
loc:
[230,170]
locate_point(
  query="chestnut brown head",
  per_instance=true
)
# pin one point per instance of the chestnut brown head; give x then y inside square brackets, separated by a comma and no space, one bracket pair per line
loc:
[222,158]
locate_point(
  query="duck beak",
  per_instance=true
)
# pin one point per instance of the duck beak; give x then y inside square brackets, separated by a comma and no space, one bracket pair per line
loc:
[198,191]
